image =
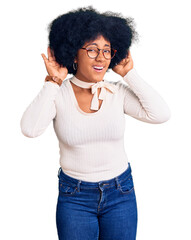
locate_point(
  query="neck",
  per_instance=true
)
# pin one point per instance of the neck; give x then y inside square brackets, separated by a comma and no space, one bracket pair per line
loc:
[81,78]
[84,79]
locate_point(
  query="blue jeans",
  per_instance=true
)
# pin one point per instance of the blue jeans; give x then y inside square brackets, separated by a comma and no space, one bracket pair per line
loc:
[104,210]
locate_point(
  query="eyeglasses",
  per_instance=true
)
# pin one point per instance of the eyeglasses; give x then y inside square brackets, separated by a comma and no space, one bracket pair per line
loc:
[93,52]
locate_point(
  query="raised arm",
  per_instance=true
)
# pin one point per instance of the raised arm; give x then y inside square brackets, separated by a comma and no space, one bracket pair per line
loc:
[141,101]
[42,110]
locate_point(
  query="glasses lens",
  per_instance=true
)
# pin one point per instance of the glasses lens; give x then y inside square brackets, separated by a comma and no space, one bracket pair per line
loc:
[92,52]
[107,53]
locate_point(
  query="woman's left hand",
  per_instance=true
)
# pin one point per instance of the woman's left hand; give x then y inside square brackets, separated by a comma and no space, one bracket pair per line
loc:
[124,66]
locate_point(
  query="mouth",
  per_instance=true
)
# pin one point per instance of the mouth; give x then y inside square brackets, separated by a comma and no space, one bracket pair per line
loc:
[98,68]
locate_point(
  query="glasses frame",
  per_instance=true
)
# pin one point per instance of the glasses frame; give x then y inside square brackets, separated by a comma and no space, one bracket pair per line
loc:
[99,49]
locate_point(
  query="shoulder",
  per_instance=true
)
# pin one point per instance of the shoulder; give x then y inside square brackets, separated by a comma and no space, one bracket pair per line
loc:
[119,85]
[65,83]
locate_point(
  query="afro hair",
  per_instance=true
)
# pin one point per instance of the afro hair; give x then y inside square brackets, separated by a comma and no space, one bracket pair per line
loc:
[69,32]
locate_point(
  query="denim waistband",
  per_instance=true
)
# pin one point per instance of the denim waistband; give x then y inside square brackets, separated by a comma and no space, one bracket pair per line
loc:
[118,179]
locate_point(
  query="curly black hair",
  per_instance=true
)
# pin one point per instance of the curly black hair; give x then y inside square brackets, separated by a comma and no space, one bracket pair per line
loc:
[69,32]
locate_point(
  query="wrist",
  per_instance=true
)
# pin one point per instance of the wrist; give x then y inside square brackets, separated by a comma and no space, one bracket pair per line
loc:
[52,82]
[127,72]
[53,79]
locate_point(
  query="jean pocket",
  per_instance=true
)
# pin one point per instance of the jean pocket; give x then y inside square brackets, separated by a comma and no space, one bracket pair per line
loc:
[66,188]
[127,185]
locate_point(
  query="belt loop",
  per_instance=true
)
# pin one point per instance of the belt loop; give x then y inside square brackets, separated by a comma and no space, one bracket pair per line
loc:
[78,186]
[117,182]
[59,170]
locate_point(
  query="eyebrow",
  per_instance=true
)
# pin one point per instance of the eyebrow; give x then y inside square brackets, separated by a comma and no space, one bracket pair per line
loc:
[97,45]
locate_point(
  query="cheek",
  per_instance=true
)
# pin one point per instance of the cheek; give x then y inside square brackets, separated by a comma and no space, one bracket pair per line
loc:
[85,63]
[108,63]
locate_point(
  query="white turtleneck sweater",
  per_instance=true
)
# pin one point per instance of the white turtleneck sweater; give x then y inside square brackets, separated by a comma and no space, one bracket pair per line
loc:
[92,144]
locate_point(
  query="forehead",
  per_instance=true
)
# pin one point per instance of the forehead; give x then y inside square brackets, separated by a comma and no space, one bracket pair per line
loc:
[99,41]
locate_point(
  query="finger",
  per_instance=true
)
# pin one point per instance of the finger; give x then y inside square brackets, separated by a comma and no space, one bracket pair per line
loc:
[44,57]
[123,61]
[129,54]
[50,54]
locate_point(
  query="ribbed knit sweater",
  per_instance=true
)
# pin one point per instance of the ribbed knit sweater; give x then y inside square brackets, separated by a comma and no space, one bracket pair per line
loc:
[92,144]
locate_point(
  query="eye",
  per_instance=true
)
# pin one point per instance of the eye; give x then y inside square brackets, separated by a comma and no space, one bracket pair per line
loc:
[92,49]
[107,50]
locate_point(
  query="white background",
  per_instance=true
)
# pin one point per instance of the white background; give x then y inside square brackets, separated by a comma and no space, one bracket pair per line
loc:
[159,153]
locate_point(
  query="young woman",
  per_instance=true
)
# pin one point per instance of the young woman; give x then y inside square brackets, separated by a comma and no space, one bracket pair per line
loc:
[96,197]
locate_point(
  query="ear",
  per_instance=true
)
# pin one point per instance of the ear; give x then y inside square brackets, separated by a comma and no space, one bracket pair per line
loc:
[75,59]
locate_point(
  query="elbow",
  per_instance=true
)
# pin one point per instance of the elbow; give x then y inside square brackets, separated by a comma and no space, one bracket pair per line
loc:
[167,116]
[28,131]
[162,117]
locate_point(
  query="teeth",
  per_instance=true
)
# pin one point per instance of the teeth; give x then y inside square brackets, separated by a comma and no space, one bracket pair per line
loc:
[98,68]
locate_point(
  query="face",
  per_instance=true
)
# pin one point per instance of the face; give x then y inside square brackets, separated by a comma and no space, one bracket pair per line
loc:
[86,70]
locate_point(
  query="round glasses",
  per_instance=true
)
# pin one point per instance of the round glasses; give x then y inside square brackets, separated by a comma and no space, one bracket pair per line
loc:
[93,52]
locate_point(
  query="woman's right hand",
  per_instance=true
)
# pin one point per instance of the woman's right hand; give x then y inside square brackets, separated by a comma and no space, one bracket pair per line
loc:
[52,67]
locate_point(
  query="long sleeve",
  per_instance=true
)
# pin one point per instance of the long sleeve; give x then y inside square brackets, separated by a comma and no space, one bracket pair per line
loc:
[142,102]
[40,112]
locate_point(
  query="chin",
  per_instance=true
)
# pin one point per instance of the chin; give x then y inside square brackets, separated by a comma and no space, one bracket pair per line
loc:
[98,77]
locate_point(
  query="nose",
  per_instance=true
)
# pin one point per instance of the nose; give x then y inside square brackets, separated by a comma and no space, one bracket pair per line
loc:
[100,56]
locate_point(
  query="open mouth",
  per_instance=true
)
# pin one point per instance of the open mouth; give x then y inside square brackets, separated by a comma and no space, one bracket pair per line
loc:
[98,68]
